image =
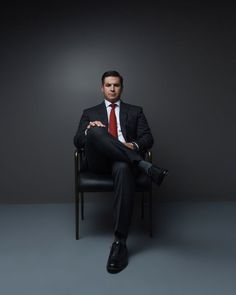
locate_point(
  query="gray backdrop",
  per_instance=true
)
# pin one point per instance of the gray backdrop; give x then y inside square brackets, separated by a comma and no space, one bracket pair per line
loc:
[177,60]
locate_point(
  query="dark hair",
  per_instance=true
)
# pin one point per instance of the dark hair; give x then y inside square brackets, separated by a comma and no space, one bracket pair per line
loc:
[112,74]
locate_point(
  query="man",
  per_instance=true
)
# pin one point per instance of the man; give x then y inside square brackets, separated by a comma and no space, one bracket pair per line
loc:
[115,136]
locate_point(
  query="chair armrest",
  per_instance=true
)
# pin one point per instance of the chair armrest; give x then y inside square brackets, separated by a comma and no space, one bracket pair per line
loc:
[77,165]
[76,171]
[78,153]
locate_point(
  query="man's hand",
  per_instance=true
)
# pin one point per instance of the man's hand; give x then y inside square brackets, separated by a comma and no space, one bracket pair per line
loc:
[95,123]
[130,145]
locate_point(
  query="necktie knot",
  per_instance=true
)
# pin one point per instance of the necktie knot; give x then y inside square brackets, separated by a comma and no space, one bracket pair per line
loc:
[113,105]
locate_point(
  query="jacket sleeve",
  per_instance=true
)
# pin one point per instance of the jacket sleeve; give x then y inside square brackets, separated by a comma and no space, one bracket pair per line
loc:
[80,137]
[144,135]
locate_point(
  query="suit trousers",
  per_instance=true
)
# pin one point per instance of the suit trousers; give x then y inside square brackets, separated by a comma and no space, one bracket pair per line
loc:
[106,154]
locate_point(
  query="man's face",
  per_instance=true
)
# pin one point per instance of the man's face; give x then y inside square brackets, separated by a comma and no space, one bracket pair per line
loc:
[112,89]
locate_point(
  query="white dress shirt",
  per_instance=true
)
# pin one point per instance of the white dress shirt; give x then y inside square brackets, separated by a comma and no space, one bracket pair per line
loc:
[117,111]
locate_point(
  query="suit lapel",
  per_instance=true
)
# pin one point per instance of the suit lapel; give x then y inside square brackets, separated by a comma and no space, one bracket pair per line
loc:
[103,114]
[123,118]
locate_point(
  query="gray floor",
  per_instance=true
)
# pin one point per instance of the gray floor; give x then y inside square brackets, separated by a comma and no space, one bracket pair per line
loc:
[193,251]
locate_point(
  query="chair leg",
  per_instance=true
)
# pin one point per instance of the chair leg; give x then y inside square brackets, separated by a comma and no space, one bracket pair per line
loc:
[82,205]
[150,214]
[142,206]
[77,216]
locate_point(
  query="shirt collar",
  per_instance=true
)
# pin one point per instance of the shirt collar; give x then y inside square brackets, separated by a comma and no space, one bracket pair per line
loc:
[107,103]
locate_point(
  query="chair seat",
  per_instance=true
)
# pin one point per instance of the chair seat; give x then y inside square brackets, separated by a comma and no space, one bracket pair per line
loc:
[92,182]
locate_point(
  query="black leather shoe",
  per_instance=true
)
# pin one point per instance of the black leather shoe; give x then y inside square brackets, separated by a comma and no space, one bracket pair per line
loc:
[157,174]
[118,258]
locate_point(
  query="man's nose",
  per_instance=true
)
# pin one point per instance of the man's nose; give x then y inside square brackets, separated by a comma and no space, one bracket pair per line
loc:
[112,88]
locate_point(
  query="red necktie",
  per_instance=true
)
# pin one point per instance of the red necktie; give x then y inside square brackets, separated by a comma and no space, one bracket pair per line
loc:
[112,121]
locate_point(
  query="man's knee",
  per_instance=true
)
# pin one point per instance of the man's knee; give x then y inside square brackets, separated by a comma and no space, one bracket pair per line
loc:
[96,132]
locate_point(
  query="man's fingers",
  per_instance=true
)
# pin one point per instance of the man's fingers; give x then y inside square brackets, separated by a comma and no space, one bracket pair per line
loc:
[97,123]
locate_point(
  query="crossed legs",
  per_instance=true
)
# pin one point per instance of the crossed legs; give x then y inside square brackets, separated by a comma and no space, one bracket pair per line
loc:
[105,154]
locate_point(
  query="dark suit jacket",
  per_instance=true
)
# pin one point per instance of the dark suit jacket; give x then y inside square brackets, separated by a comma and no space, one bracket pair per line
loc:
[134,125]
